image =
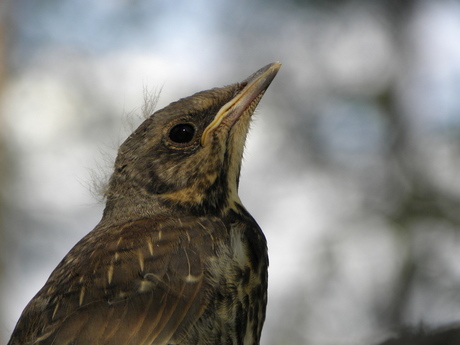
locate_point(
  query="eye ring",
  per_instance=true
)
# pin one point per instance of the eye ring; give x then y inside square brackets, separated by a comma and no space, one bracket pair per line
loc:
[182,133]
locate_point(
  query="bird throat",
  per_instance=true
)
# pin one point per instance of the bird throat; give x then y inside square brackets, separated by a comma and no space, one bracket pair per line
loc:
[218,198]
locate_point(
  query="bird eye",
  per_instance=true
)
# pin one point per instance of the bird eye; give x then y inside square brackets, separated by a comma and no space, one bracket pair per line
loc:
[182,133]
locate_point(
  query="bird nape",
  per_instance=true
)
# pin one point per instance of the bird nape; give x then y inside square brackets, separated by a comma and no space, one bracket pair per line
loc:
[176,258]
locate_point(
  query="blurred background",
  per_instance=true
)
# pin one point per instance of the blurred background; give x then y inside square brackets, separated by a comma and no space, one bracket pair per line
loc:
[351,168]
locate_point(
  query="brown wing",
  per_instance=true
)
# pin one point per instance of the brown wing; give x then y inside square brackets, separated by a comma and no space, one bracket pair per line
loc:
[141,282]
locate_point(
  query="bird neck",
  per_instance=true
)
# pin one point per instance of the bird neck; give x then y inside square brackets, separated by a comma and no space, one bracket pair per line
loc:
[132,203]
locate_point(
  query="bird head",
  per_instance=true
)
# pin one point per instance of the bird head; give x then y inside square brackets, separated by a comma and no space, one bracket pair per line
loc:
[188,154]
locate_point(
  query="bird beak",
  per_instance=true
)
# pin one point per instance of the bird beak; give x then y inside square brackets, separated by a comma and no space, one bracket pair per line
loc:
[252,91]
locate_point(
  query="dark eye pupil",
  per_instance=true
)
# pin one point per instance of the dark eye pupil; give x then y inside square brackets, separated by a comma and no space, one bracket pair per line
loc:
[182,133]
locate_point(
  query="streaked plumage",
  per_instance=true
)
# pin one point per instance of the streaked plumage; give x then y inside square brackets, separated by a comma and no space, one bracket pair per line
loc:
[176,258]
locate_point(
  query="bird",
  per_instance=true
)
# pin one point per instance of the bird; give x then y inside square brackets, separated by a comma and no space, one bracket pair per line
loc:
[176,258]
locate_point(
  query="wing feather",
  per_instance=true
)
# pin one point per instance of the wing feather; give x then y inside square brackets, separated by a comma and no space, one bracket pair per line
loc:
[139,283]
